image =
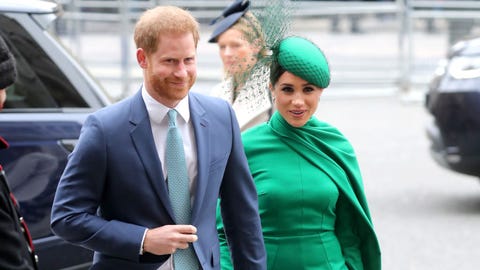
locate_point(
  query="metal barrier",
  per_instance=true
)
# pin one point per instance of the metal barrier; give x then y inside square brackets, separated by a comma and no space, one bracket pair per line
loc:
[397,22]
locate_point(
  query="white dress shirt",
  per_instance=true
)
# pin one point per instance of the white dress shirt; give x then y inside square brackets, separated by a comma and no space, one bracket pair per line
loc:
[157,113]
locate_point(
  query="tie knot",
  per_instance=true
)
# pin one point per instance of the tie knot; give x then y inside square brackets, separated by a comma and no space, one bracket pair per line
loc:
[172,118]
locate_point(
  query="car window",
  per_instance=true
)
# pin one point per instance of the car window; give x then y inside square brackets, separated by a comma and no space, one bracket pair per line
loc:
[40,83]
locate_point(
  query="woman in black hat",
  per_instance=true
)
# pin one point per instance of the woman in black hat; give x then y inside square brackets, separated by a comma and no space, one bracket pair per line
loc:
[16,250]
[241,42]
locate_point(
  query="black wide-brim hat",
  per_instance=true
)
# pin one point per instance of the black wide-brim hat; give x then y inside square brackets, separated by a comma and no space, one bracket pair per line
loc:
[230,15]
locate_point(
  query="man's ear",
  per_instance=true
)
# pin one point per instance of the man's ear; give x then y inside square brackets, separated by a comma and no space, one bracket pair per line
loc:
[142,58]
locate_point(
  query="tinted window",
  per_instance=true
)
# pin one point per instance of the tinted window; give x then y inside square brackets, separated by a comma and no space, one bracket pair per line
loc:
[40,83]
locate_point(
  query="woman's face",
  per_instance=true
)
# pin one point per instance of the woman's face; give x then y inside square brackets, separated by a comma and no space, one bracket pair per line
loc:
[236,52]
[296,99]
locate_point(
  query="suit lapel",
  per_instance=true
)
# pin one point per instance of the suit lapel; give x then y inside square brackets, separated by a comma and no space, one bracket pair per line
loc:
[141,134]
[202,133]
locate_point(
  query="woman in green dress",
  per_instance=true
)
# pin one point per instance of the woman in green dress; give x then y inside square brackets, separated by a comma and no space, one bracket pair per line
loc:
[311,200]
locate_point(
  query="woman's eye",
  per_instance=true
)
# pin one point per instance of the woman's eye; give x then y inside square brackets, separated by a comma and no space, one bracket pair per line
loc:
[308,89]
[287,89]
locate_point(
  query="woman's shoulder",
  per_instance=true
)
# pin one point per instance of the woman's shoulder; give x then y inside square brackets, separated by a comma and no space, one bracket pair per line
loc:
[331,135]
[326,127]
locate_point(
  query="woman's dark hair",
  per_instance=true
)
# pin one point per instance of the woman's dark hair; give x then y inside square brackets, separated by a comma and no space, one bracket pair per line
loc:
[276,70]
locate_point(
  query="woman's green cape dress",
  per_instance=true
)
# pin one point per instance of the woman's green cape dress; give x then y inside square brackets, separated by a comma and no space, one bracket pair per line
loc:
[311,200]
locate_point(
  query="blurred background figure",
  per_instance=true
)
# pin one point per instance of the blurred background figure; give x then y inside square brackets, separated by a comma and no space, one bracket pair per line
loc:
[241,42]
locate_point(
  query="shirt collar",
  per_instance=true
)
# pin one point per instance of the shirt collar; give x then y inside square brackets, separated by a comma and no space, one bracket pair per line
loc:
[157,111]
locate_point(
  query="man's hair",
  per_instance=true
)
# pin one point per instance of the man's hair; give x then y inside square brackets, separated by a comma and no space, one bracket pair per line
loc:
[8,72]
[160,20]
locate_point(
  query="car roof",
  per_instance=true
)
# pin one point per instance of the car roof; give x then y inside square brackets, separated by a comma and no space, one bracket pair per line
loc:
[465,47]
[29,6]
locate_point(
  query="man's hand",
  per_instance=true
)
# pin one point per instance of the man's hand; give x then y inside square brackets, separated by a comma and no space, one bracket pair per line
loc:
[167,239]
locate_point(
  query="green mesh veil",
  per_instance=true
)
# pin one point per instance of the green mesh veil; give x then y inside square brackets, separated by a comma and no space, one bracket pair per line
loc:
[275,17]
[272,22]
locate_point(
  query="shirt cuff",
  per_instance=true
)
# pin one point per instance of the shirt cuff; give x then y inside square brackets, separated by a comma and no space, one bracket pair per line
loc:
[143,240]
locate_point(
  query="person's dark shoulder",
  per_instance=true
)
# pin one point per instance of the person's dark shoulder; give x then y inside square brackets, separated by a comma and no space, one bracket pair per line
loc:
[120,106]
[118,114]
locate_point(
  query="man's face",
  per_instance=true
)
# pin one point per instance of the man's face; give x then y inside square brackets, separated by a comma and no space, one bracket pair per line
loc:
[171,70]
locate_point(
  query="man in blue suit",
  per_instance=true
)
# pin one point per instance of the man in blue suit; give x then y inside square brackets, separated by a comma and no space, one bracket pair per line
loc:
[113,196]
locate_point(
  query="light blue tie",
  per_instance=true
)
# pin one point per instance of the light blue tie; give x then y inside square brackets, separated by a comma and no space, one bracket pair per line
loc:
[178,188]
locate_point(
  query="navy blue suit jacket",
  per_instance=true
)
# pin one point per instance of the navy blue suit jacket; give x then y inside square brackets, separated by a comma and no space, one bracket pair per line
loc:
[113,188]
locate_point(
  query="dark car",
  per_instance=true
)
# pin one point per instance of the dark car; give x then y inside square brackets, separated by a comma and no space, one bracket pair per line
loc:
[41,120]
[453,99]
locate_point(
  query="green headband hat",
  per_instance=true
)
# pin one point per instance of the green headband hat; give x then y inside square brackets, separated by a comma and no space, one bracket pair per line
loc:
[304,59]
